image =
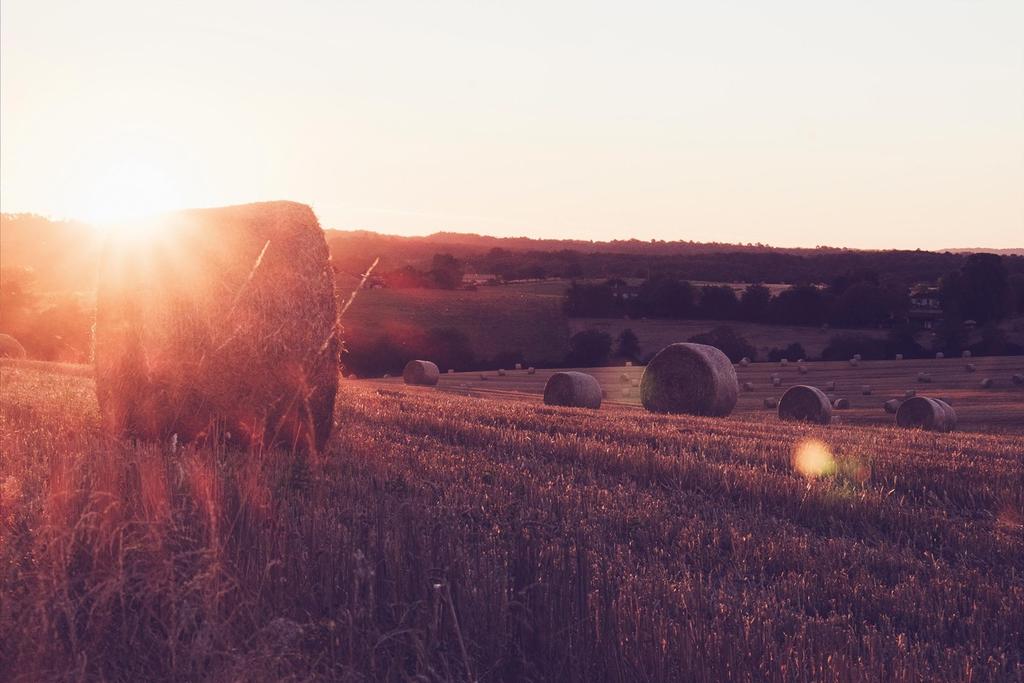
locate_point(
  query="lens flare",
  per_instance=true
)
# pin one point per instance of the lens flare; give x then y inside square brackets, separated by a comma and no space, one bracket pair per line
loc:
[812,458]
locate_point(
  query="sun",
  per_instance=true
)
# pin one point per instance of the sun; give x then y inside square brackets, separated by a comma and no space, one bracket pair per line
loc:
[117,196]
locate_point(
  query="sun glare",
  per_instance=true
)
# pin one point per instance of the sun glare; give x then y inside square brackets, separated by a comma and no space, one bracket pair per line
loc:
[117,199]
[813,458]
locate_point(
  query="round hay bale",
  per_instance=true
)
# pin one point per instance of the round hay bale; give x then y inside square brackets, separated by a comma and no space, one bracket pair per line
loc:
[940,354]
[574,389]
[776,381]
[865,390]
[857,357]
[421,373]
[1017,379]
[11,347]
[899,356]
[799,360]
[802,369]
[625,392]
[804,403]
[519,366]
[965,354]
[501,372]
[841,403]
[531,371]
[784,362]
[854,362]
[629,363]
[771,403]
[744,361]
[922,412]
[224,324]
[634,382]
[831,386]
[909,393]
[970,367]
[689,378]
[483,376]
[891,406]
[387,376]
[748,386]
[451,371]
[624,378]
[987,383]
[924,377]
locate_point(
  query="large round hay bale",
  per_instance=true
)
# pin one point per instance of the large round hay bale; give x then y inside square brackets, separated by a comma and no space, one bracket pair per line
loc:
[225,322]
[689,378]
[574,389]
[922,412]
[11,347]
[804,403]
[891,406]
[421,373]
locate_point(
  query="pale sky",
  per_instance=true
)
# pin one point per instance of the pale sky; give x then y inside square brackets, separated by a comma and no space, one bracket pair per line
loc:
[866,123]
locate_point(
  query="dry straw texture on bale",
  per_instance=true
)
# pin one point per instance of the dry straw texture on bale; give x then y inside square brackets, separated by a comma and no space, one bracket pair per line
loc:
[574,389]
[421,373]
[11,347]
[891,406]
[689,378]
[224,323]
[922,412]
[804,403]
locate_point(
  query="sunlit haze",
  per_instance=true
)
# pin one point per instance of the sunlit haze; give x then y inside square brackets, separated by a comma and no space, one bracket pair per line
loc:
[861,124]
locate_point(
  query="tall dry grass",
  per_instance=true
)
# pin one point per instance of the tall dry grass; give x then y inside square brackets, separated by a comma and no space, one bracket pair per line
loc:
[442,538]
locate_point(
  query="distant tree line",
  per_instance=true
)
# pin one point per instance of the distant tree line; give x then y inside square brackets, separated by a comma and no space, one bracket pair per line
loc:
[981,290]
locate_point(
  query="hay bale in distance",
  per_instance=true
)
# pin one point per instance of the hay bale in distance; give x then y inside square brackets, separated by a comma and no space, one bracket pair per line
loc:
[748,386]
[776,381]
[744,361]
[689,378]
[421,373]
[451,371]
[634,382]
[899,356]
[924,377]
[987,383]
[841,403]
[804,403]
[970,367]
[966,354]
[854,362]
[1017,379]
[501,372]
[909,393]
[11,347]
[922,412]
[624,378]
[891,406]
[857,357]
[225,324]
[784,362]
[574,389]
[940,355]
[865,390]
[802,369]
[771,403]
[519,366]
[629,363]
[531,371]
[831,386]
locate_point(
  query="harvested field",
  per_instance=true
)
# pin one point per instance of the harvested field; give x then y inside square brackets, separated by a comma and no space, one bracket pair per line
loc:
[997,409]
[447,537]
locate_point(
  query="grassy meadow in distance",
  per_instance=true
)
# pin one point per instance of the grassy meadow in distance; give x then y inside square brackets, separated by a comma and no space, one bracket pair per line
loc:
[446,537]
